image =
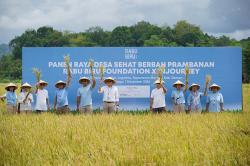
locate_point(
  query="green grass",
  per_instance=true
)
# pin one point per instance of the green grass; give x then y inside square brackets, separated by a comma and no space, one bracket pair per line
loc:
[126,139]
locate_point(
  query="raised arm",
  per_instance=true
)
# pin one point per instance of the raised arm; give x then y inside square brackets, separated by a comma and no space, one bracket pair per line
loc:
[205,91]
[93,82]
[69,77]
[164,88]
[37,85]
[100,89]
[186,81]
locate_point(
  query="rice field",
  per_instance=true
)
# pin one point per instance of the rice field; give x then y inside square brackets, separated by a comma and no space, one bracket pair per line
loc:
[126,139]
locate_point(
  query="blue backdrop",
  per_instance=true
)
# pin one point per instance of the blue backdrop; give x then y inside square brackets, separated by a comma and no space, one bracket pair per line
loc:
[134,70]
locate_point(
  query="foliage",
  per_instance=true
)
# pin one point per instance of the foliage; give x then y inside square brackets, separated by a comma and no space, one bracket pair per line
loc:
[141,34]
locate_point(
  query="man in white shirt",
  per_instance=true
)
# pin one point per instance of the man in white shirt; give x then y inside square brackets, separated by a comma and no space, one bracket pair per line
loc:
[42,97]
[110,95]
[25,99]
[157,100]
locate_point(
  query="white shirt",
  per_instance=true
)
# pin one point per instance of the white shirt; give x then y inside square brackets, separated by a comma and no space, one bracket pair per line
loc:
[158,97]
[27,105]
[110,94]
[41,97]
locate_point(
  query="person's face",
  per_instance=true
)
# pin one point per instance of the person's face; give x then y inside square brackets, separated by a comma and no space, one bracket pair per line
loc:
[214,89]
[109,83]
[41,86]
[60,86]
[85,82]
[25,89]
[158,86]
[194,88]
[11,88]
[178,86]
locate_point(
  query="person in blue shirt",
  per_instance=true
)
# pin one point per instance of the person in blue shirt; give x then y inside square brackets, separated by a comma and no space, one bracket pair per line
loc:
[84,95]
[11,98]
[215,100]
[194,98]
[178,97]
[61,96]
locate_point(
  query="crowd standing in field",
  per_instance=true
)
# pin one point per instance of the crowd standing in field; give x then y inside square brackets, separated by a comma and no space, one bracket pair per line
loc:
[23,102]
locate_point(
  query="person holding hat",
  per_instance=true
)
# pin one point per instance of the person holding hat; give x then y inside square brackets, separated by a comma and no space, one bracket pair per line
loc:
[61,96]
[42,97]
[25,98]
[214,101]
[157,100]
[178,97]
[110,95]
[84,95]
[194,98]
[11,98]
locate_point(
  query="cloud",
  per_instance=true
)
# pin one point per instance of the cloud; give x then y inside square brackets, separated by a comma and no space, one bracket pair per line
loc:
[224,16]
[238,34]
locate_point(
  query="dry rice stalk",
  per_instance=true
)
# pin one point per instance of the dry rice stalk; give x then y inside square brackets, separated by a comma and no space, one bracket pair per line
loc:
[187,73]
[37,73]
[160,71]
[67,62]
[101,71]
[91,64]
[208,79]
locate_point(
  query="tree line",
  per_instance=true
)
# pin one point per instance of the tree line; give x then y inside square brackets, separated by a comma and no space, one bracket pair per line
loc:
[182,34]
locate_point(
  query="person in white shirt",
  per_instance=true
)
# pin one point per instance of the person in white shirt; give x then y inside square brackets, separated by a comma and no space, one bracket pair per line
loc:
[110,95]
[25,99]
[157,100]
[42,97]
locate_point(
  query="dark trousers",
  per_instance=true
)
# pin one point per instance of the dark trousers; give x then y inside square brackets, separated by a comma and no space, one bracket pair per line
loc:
[159,110]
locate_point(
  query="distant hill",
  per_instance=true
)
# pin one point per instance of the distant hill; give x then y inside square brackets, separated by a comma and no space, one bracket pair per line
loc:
[4,48]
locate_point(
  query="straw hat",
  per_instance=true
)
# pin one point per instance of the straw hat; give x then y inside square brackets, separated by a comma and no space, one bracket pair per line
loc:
[26,85]
[158,82]
[214,85]
[178,82]
[60,82]
[43,82]
[198,86]
[109,79]
[11,85]
[83,78]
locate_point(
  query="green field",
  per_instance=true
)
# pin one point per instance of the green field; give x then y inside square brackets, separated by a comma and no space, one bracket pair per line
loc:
[125,139]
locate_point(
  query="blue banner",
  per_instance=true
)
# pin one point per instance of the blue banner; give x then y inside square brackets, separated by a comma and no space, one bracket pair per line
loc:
[134,69]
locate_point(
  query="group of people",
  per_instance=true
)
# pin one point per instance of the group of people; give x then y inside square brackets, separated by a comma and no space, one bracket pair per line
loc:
[214,100]
[23,102]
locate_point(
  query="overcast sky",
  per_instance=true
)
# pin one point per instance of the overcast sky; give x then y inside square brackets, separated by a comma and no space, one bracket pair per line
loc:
[230,17]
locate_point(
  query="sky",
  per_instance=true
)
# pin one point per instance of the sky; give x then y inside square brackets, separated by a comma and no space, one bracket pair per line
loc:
[216,17]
